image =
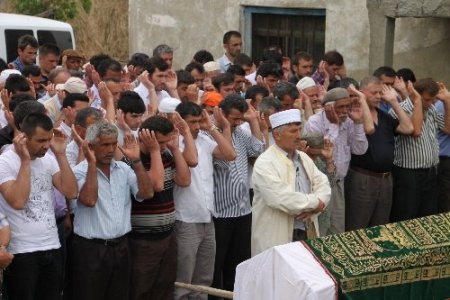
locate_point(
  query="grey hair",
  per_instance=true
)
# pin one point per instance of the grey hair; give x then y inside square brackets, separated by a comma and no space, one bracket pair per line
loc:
[279,129]
[160,49]
[282,89]
[98,129]
[83,114]
[368,80]
[268,103]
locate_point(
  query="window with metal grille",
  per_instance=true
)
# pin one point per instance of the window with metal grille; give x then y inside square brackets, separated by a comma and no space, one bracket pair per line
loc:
[293,29]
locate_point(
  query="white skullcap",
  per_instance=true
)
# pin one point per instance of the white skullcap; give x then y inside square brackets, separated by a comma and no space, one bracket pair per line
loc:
[211,66]
[168,105]
[75,85]
[305,83]
[285,117]
[5,74]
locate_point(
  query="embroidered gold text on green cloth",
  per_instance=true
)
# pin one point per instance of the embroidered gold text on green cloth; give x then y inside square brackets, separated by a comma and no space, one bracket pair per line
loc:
[405,260]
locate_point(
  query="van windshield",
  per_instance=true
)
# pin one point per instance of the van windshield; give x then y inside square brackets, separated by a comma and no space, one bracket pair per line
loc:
[62,39]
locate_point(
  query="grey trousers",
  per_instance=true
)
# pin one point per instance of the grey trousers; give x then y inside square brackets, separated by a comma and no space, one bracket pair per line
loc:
[368,200]
[337,208]
[195,259]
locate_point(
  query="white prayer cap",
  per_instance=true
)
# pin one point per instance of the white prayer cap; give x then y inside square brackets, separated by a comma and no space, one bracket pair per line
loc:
[211,66]
[285,117]
[5,74]
[305,83]
[168,105]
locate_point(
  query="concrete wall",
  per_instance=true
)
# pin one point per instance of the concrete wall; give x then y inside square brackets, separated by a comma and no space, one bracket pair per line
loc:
[189,26]
[423,45]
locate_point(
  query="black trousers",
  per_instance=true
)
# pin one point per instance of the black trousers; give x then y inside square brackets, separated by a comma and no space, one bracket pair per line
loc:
[101,272]
[415,193]
[233,237]
[34,276]
[444,184]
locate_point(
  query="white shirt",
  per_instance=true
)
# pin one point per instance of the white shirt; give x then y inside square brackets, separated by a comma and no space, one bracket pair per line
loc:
[72,151]
[224,63]
[3,121]
[67,130]
[195,203]
[143,92]
[34,227]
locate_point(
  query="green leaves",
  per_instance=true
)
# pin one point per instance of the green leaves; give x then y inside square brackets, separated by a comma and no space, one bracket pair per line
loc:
[60,9]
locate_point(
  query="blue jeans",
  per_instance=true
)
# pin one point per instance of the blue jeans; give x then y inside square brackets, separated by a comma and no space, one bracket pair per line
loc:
[34,276]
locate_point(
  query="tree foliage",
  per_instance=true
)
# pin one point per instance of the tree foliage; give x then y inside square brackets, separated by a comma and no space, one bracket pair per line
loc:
[62,9]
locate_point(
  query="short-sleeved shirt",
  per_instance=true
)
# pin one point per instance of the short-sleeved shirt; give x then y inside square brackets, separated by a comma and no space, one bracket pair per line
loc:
[110,217]
[34,227]
[419,152]
[155,218]
[379,156]
[195,203]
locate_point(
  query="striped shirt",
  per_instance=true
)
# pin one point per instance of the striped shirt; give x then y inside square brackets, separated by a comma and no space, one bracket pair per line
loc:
[155,218]
[419,152]
[231,188]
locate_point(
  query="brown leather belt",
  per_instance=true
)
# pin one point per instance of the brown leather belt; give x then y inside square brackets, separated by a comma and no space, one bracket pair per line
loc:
[370,173]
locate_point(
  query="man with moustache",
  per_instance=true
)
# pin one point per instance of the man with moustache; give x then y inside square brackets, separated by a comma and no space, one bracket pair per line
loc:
[287,185]
[341,122]
[101,255]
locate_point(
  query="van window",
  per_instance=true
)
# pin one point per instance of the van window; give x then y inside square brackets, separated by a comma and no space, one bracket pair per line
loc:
[62,39]
[11,38]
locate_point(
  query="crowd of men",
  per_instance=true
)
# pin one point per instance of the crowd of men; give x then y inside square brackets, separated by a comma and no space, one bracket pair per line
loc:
[116,181]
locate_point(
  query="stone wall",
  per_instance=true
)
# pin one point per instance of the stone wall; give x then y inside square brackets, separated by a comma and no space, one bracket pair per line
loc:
[189,26]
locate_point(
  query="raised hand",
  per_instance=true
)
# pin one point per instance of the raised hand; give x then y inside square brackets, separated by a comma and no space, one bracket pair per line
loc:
[413,94]
[250,114]
[148,138]
[173,144]
[205,122]
[130,148]
[91,96]
[327,151]
[145,80]
[172,81]
[20,144]
[389,94]
[5,97]
[192,92]
[31,84]
[219,117]
[58,142]
[180,124]
[443,93]
[88,153]
[331,114]
[121,122]
[104,93]
[400,86]
[51,90]
[76,137]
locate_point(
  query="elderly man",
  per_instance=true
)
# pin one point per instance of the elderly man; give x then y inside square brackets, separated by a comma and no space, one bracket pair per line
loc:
[345,124]
[101,256]
[287,185]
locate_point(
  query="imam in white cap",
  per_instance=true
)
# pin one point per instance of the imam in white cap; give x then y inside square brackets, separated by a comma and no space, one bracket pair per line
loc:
[285,117]
[168,105]
[305,83]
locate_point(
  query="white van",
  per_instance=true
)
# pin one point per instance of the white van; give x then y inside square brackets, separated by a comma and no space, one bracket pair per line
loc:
[13,26]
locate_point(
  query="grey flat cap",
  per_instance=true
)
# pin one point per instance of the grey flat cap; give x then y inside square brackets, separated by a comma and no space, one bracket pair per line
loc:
[335,94]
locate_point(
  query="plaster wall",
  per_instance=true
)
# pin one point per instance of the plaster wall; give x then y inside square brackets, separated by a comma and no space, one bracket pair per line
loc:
[189,26]
[423,44]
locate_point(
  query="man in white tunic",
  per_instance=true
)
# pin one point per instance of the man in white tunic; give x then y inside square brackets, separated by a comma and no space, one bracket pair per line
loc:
[287,186]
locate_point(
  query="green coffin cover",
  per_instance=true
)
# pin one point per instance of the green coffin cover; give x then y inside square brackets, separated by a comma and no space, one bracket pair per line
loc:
[404,260]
